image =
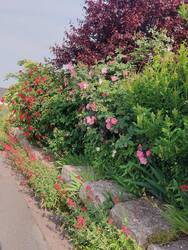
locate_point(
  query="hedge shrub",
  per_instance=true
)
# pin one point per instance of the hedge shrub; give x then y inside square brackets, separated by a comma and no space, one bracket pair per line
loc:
[133,127]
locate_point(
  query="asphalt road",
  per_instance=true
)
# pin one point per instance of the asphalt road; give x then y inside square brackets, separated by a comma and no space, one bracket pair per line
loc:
[18,228]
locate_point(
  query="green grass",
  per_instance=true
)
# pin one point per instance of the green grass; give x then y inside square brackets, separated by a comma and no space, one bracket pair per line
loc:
[87,171]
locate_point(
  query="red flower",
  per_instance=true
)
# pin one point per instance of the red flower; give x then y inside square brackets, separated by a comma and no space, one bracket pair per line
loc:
[37,114]
[125,230]
[30,128]
[88,188]
[39,91]
[37,81]
[80,222]
[83,209]
[33,157]
[57,186]
[29,173]
[2,99]
[22,117]
[71,203]
[7,147]
[184,188]
[26,134]
[110,221]
[60,178]
[30,72]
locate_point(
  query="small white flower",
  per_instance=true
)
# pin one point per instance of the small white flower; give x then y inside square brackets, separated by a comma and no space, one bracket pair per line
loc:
[100,81]
[97,149]
[114,153]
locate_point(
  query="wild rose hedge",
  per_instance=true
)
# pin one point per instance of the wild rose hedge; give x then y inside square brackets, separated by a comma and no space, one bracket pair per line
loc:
[132,127]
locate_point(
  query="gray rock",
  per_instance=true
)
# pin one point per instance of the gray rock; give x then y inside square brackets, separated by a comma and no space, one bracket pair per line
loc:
[96,193]
[68,171]
[176,245]
[143,221]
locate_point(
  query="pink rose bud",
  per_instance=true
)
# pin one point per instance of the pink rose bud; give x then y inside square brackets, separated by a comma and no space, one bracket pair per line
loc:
[104,71]
[114,78]
[90,120]
[113,121]
[83,85]
[148,153]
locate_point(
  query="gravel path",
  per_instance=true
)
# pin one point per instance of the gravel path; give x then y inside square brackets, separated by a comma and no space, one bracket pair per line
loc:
[23,225]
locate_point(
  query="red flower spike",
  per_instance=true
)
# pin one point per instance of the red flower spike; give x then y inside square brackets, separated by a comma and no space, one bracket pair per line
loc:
[125,230]
[83,209]
[57,186]
[184,188]
[71,203]
[80,222]
[60,178]
[110,221]
[7,147]
[88,188]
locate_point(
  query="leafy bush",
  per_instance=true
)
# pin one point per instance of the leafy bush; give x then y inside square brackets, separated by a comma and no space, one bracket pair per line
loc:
[121,121]
[112,24]
[183,11]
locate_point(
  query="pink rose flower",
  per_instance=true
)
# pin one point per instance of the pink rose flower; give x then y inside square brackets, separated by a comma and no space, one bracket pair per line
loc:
[83,85]
[108,126]
[71,69]
[141,156]
[104,71]
[148,153]
[110,122]
[114,78]
[91,106]
[90,120]
[113,121]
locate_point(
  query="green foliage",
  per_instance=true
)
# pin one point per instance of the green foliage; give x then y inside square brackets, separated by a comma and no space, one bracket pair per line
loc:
[3,125]
[133,127]
[178,218]
[183,12]
[157,43]
[93,232]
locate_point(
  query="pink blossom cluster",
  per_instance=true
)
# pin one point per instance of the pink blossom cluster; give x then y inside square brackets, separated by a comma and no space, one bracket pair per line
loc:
[71,69]
[104,71]
[83,85]
[143,157]
[110,122]
[91,106]
[90,120]
[114,78]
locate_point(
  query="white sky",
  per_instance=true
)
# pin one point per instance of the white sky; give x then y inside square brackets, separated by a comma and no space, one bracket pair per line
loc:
[29,27]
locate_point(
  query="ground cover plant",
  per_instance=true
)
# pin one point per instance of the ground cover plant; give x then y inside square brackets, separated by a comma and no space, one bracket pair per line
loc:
[88,228]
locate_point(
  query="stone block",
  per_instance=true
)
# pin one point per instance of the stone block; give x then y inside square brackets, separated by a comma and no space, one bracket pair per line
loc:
[143,220]
[176,245]
[97,193]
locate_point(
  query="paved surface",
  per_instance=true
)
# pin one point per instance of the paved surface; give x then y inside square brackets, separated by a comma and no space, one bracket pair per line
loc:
[18,229]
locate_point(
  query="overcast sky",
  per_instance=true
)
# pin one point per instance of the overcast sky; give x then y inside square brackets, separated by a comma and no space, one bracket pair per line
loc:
[29,27]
